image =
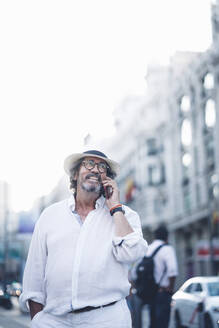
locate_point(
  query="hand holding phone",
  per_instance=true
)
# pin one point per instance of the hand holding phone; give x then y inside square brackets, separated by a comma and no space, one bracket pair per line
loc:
[108,192]
[111,191]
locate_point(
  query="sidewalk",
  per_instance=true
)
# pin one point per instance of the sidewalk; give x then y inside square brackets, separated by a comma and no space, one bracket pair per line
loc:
[15,315]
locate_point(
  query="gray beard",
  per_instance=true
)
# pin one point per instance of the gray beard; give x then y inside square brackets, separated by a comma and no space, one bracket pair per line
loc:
[91,188]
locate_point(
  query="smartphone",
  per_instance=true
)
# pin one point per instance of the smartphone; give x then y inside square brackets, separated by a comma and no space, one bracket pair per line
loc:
[107,191]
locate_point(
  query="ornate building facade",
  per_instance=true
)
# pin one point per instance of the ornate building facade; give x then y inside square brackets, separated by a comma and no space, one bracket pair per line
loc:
[168,146]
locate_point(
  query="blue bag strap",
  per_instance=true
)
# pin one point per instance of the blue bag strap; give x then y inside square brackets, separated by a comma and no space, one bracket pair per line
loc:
[157,249]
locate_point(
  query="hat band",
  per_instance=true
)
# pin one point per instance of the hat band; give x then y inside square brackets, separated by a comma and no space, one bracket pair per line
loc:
[95,152]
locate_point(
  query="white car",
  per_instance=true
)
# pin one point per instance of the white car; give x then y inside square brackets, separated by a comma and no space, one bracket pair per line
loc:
[196,303]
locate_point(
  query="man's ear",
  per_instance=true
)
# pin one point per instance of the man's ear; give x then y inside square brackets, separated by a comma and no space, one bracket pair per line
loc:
[76,171]
[75,175]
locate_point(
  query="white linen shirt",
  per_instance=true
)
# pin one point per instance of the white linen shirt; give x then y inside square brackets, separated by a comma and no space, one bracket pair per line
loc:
[72,265]
[165,264]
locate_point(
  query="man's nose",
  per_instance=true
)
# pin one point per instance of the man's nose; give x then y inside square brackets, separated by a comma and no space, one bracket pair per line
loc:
[95,169]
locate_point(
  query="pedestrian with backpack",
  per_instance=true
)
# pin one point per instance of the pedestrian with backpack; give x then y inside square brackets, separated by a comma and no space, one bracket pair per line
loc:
[153,279]
[165,271]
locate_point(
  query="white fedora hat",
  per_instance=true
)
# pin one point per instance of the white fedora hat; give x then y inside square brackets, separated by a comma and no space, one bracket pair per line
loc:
[73,159]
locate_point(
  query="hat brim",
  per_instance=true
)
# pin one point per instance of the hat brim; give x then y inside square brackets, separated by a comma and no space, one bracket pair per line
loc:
[72,160]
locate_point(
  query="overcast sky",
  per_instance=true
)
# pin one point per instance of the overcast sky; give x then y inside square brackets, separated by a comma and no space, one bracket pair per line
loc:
[65,65]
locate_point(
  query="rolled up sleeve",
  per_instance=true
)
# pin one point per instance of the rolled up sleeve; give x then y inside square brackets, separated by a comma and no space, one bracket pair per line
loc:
[133,246]
[171,263]
[34,272]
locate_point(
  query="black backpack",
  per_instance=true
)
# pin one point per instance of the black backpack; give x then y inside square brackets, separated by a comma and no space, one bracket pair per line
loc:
[145,283]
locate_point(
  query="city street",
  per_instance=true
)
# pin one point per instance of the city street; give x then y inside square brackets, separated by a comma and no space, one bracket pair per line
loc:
[13,318]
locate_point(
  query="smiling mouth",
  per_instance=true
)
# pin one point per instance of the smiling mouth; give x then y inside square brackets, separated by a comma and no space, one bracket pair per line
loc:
[93,178]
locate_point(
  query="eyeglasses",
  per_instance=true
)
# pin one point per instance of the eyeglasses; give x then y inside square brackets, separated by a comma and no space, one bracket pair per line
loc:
[89,164]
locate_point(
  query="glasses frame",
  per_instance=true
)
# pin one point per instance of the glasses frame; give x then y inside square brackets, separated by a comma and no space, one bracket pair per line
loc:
[95,164]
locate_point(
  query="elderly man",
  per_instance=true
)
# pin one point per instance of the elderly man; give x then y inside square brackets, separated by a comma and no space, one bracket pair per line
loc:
[76,273]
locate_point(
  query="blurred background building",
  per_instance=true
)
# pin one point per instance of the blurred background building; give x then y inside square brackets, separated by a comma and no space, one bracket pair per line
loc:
[168,146]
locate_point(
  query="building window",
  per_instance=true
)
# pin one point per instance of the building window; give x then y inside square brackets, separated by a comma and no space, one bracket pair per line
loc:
[209,152]
[215,184]
[163,174]
[186,133]
[185,104]
[187,199]
[156,174]
[210,113]
[208,81]
[213,187]
[210,165]
[152,147]
[196,159]
[186,159]
[210,147]
[210,193]
[153,175]
[185,181]
[198,194]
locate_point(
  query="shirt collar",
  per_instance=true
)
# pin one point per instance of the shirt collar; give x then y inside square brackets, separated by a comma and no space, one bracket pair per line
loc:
[100,202]
[158,242]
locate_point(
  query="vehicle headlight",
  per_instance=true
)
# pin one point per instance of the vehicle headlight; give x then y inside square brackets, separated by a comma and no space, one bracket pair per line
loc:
[215,308]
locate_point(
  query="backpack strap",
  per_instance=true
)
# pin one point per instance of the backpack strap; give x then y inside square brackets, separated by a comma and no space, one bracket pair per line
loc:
[157,249]
[165,270]
[153,254]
